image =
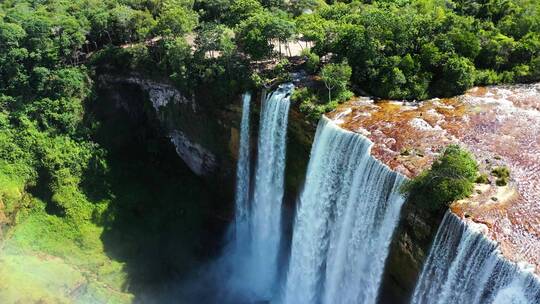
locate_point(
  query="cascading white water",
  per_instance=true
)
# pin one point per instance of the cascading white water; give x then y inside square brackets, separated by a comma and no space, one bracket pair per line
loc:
[347,213]
[249,263]
[241,232]
[465,267]
[265,215]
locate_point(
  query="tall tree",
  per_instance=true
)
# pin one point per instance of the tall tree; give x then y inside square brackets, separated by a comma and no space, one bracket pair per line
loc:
[336,77]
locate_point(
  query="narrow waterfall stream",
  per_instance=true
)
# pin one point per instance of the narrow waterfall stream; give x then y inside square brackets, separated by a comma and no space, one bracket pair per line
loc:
[465,267]
[252,254]
[346,215]
[265,218]
[241,233]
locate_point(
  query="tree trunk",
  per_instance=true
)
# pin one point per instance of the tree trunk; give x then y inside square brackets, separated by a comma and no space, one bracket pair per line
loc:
[329,95]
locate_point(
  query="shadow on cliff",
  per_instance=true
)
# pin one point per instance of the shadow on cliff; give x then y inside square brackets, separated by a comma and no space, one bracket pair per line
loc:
[158,221]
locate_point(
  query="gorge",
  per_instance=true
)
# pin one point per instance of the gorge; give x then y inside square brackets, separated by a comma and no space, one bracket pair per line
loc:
[347,208]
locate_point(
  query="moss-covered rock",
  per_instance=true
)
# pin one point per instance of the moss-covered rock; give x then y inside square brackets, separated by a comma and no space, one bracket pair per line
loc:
[410,247]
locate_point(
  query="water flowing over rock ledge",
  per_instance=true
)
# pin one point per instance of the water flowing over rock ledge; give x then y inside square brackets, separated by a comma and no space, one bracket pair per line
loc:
[500,125]
[465,267]
[345,219]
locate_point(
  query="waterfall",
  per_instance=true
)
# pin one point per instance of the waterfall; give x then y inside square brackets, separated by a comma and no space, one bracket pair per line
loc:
[345,219]
[250,261]
[243,176]
[265,216]
[465,267]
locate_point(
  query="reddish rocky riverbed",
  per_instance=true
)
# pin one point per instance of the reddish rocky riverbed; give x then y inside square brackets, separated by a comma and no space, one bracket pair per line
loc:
[500,125]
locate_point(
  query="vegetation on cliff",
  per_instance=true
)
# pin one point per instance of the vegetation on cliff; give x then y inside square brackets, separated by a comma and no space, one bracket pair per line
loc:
[451,177]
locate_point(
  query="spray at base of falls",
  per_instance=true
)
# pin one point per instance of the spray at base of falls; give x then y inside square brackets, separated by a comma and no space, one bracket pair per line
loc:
[465,267]
[346,216]
[251,258]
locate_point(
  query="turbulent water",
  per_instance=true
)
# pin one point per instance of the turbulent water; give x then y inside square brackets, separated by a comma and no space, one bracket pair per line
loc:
[243,177]
[465,267]
[346,216]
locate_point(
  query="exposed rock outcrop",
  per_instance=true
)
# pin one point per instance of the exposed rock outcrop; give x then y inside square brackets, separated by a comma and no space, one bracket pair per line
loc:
[200,161]
[168,102]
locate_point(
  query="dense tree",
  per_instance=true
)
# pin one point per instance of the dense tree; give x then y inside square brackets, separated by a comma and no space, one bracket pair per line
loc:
[257,34]
[212,38]
[176,21]
[398,49]
[421,49]
[297,7]
[457,76]
[240,10]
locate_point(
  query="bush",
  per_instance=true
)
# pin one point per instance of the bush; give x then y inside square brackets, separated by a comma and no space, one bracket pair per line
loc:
[482,179]
[282,71]
[450,178]
[302,94]
[313,105]
[312,61]
[502,174]
[486,77]
[501,182]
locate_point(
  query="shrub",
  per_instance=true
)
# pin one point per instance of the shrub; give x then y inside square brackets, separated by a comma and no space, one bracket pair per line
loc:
[501,182]
[486,77]
[482,179]
[450,178]
[302,94]
[312,61]
[502,174]
[282,71]
[313,105]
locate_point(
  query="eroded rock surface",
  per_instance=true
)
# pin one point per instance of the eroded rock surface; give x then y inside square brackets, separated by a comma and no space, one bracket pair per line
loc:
[179,116]
[198,159]
[500,125]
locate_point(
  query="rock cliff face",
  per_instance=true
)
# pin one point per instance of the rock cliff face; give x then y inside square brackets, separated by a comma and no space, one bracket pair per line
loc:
[195,135]
[410,247]
[205,132]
